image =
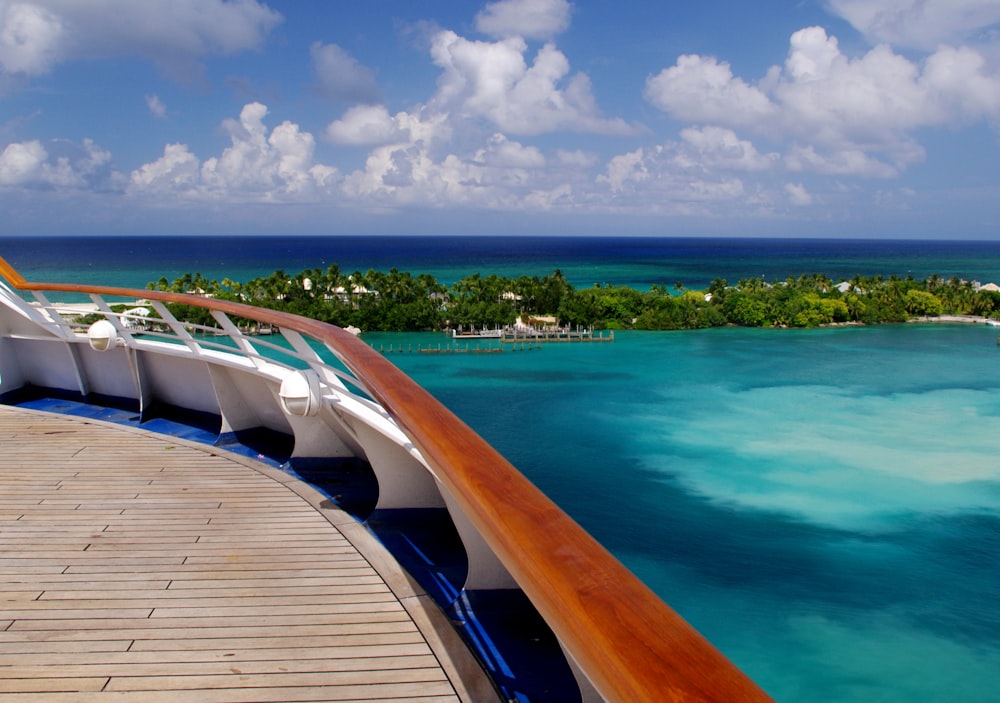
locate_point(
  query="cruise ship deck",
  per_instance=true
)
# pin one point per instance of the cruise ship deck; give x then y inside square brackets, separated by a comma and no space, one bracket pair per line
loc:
[143,567]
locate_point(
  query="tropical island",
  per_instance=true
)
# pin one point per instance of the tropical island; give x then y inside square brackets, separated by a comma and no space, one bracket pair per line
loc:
[397,301]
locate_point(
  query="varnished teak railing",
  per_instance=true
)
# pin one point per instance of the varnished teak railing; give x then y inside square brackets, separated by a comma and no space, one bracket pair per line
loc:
[632,646]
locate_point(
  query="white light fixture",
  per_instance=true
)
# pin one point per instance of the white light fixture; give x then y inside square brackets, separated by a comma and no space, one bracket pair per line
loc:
[103,335]
[300,393]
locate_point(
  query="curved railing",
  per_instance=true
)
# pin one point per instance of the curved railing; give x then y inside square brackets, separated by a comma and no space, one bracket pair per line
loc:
[625,639]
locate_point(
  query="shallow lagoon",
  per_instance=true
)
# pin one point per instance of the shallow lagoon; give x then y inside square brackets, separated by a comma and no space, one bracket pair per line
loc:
[823,504]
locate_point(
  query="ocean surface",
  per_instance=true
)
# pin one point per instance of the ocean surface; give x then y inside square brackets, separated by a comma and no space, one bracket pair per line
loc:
[824,505]
[635,261]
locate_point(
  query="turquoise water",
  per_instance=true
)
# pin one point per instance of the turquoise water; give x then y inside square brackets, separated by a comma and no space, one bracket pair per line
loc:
[824,505]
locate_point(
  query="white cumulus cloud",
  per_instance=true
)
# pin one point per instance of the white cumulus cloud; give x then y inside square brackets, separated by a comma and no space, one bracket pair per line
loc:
[176,171]
[922,24]
[708,172]
[499,174]
[717,148]
[960,84]
[655,181]
[503,153]
[30,38]
[258,166]
[156,106]
[372,124]
[35,35]
[836,114]
[576,159]
[492,80]
[341,77]
[798,195]
[625,169]
[22,163]
[703,89]
[533,19]
[846,162]
[62,166]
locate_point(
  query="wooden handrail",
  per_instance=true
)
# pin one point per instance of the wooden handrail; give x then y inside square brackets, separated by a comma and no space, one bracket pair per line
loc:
[12,276]
[631,645]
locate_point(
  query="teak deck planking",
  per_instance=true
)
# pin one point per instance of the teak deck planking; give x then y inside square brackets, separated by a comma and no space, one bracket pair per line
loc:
[141,568]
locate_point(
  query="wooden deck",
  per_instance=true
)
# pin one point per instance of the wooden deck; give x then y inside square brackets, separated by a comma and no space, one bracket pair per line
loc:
[142,568]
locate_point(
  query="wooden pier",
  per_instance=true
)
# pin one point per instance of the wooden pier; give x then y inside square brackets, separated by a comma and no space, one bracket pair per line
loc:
[515,340]
[453,348]
[548,336]
[141,568]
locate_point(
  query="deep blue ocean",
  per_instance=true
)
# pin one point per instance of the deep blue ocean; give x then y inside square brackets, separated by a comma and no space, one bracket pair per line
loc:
[585,261]
[824,505]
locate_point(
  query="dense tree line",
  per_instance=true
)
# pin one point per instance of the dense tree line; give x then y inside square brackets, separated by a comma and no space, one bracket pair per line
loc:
[400,301]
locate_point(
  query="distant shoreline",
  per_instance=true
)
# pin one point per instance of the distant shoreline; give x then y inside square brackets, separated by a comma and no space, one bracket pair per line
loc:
[91,308]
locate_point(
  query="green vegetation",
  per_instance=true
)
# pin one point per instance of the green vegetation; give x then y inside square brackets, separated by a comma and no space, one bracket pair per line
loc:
[399,301]
[92,317]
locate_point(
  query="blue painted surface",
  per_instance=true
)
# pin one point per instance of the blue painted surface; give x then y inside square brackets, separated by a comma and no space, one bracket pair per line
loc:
[259,443]
[269,447]
[349,482]
[515,646]
[512,641]
[78,408]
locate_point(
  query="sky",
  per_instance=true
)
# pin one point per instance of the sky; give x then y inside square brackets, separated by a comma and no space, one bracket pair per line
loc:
[832,118]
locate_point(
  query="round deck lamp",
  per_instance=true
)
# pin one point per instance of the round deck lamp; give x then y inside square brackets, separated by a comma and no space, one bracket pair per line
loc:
[102,335]
[300,393]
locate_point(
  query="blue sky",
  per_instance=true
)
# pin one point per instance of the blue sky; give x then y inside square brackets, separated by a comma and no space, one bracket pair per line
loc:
[834,118]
